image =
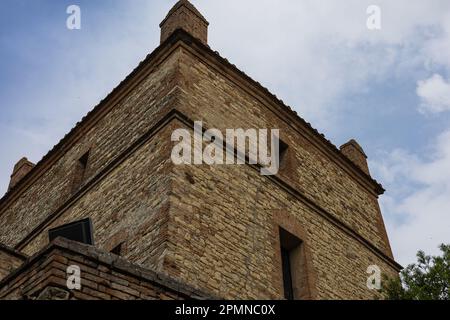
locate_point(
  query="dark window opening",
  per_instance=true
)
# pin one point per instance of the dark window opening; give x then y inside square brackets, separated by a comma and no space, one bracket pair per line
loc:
[289,248]
[287,275]
[80,171]
[84,160]
[80,231]
[117,250]
[283,151]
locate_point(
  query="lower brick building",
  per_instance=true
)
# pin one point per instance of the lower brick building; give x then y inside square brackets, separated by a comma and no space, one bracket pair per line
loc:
[104,276]
[167,231]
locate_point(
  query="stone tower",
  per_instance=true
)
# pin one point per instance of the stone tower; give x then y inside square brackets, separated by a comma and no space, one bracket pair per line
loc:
[202,231]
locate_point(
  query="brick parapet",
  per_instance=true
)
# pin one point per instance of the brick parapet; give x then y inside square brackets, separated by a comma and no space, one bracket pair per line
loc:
[103,276]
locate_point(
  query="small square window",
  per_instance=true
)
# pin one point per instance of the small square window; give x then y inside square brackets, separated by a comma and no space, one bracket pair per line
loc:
[118,250]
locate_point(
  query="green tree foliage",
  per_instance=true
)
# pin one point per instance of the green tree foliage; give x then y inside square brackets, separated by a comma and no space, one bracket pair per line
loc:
[428,279]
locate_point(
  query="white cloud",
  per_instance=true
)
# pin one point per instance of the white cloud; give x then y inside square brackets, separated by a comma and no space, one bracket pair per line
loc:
[437,49]
[416,206]
[316,54]
[434,94]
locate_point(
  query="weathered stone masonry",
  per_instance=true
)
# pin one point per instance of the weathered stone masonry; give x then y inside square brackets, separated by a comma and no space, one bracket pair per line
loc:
[105,276]
[213,228]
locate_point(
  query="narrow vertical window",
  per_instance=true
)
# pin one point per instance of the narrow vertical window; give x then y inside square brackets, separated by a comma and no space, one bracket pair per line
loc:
[290,250]
[287,275]
[283,151]
[80,170]
[84,160]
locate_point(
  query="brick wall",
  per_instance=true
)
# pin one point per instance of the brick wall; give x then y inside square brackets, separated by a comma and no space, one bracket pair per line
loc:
[128,115]
[221,237]
[9,261]
[223,101]
[104,276]
[129,203]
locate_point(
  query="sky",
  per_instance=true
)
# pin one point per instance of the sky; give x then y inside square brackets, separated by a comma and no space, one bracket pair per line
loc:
[388,88]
